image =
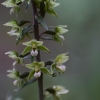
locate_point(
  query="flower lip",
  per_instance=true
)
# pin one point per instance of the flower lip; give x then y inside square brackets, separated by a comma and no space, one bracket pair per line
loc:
[37,74]
[62,67]
[15,82]
[15,63]
[34,52]
[62,37]
[60,89]
[63,92]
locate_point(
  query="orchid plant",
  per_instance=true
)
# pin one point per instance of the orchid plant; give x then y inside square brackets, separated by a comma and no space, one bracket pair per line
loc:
[35,45]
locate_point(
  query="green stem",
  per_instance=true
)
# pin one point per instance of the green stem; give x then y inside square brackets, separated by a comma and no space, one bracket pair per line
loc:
[36,32]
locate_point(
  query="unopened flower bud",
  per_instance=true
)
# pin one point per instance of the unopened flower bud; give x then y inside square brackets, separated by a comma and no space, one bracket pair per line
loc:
[15,82]
[62,67]
[34,52]
[37,74]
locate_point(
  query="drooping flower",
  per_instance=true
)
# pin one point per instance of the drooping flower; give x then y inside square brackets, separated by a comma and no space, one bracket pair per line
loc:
[62,67]
[55,91]
[60,89]
[14,55]
[13,4]
[58,63]
[50,4]
[59,31]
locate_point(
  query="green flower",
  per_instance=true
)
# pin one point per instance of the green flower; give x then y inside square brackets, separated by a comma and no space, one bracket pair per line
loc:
[55,91]
[59,30]
[15,9]
[13,5]
[16,75]
[9,3]
[36,69]
[33,46]
[16,29]
[14,55]
[58,63]
[13,74]
[50,4]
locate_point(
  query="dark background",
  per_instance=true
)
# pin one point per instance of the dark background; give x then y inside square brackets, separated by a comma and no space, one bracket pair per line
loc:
[82,77]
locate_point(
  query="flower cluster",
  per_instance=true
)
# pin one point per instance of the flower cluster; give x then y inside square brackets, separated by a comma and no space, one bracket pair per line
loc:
[48,5]
[34,46]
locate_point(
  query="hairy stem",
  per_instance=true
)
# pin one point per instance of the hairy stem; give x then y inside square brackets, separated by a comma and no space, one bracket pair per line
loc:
[36,32]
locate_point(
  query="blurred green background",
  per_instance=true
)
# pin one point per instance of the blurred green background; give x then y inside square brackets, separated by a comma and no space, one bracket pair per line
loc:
[82,77]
